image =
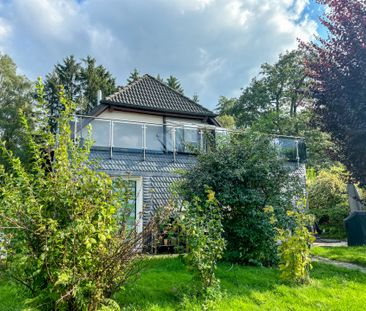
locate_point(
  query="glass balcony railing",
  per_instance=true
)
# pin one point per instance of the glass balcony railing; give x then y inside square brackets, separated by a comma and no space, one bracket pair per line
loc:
[146,137]
[292,149]
[171,138]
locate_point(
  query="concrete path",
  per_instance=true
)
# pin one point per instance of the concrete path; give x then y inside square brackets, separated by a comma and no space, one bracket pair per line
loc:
[330,243]
[340,264]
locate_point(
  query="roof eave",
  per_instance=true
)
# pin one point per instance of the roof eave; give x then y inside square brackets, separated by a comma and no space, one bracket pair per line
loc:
[165,111]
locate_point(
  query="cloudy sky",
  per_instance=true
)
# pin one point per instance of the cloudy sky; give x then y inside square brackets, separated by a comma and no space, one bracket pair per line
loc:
[213,46]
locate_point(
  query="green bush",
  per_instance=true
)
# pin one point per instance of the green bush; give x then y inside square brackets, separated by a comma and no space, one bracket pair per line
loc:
[328,200]
[64,226]
[246,174]
[201,223]
[294,249]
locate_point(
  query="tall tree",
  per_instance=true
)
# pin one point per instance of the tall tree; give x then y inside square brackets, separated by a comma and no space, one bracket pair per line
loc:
[195,98]
[337,66]
[174,83]
[134,76]
[271,102]
[159,78]
[278,91]
[15,95]
[94,78]
[80,81]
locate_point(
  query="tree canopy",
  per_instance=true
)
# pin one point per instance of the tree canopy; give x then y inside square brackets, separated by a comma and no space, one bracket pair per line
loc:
[278,101]
[16,94]
[134,76]
[337,66]
[80,82]
[174,83]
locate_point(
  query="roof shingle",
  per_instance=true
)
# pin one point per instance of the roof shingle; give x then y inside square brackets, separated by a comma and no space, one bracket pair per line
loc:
[149,93]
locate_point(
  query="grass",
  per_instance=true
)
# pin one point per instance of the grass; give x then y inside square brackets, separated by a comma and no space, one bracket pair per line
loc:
[165,282]
[355,254]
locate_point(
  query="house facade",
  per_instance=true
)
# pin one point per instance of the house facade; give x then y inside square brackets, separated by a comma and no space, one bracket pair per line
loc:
[148,132]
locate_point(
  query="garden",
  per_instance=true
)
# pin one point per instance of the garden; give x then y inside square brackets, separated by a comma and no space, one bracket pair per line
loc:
[165,282]
[242,215]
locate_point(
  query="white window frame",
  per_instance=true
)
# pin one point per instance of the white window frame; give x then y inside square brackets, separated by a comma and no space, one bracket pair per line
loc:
[139,199]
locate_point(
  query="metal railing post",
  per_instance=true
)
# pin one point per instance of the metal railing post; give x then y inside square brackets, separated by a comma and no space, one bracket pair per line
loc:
[144,140]
[201,139]
[174,149]
[111,138]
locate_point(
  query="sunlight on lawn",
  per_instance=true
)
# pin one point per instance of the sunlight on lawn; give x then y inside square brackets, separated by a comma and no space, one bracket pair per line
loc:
[165,282]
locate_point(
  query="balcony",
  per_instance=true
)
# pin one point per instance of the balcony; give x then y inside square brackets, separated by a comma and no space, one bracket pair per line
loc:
[171,138]
[132,136]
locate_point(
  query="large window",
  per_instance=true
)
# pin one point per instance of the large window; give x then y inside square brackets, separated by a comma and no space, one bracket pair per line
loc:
[130,202]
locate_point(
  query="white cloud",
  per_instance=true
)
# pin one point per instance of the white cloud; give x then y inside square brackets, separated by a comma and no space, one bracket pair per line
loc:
[212,46]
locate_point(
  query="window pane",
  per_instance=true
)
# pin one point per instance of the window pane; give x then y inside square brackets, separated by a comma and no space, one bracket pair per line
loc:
[127,135]
[127,210]
[155,137]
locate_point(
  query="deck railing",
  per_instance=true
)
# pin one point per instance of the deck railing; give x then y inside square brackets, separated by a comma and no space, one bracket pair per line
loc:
[173,138]
[146,137]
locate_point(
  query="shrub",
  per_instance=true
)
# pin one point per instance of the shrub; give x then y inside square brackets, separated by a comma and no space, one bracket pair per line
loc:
[328,200]
[64,224]
[246,174]
[294,248]
[202,227]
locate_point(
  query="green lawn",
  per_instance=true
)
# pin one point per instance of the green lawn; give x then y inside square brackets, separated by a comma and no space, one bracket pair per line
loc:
[356,254]
[165,281]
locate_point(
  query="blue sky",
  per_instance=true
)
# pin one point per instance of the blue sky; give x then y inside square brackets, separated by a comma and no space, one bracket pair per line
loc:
[213,46]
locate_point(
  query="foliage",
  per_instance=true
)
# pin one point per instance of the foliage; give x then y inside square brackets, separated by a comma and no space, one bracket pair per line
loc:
[201,223]
[65,225]
[278,101]
[246,288]
[328,200]
[337,65]
[92,79]
[294,250]
[352,254]
[15,95]
[196,98]
[174,83]
[134,76]
[80,83]
[246,174]
[280,89]
[226,106]
[226,121]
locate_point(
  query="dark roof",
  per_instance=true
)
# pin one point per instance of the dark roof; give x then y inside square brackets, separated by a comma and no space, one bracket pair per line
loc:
[148,93]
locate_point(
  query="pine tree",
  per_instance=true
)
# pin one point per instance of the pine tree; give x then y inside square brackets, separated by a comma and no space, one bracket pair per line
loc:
[174,83]
[159,78]
[196,98]
[134,76]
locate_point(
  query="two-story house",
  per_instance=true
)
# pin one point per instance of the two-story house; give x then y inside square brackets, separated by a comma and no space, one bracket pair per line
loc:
[147,132]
